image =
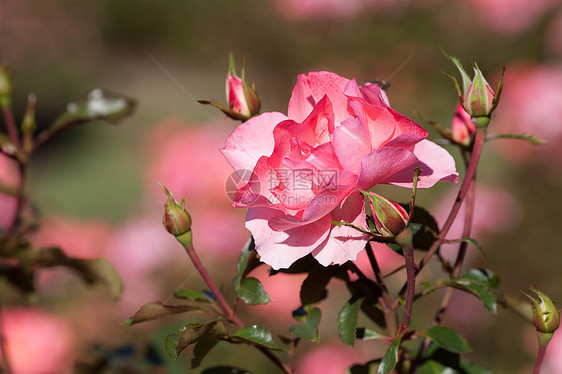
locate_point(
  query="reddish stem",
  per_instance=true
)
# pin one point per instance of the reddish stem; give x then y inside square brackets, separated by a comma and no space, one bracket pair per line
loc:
[229,314]
[540,357]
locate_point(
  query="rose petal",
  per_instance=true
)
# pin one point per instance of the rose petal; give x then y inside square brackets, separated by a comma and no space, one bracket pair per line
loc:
[279,249]
[379,165]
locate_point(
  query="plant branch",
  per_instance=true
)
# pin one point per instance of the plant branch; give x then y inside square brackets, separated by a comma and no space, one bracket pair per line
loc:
[405,241]
[540,357]
[11,127]
[229,314]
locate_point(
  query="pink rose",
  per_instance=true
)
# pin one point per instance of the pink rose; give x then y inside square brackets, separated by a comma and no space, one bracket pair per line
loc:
[309,166]
[462,127]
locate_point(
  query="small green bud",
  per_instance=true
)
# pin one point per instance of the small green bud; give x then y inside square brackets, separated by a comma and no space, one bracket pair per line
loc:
[176,219]
[546,317]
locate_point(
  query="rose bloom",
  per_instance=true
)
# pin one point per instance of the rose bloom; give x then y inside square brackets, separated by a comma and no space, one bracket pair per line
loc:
[37,342]
[332,358]
[309,166]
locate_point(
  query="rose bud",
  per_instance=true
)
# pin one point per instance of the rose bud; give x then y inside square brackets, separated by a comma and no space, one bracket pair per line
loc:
[477,97]
[243,101]
[462,127]
[546,317]
[390,218]
[176,219]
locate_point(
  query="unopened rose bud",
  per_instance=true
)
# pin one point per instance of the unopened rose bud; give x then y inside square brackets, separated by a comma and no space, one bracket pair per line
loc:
[176,219]
[242,99]
[546,317]
[462,127]
[477,97]
[390,218]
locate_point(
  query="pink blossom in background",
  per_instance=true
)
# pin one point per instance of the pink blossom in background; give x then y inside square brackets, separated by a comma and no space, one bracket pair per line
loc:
[467,315]
[81,239]
[8,175]
[308,167]
[185,160]
[511,16]
[317,10]
[284,290]
[495,211]
[332,358]
[137,250]
[37,342]
[531,103]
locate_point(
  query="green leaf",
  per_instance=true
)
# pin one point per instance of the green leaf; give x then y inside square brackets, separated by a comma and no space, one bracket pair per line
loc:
[194,295]
[531,139]
[176,342]
[434,367]
[156,310]
[256,335]
[224,370]
[469,367]
[309,329]
[481,283]
[243,262]
[365,333]
[448,339]
[347,321]
[390,358]
[98,104]
[366,368]
[251,291]
[200,350]
[467,240]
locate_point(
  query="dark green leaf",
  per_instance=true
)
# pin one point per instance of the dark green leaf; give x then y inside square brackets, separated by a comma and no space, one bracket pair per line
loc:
[424,233]
[472,368]
[366,368]
[434,367]
[224,370]
[481,283]
[390,358]
[194,295]
[256,335]
[365,333]
[155,310]
[194,333]
[467,240]
[313,288]
[251,291]
[347,321]
[374,313]
[448,339]
[309,328]
[200,350]
[243,262]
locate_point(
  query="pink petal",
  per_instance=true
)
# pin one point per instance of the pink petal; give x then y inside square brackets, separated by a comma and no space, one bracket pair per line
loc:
[251,140]
[279,249]
[344,243]
[310,88]
[351,143]
[379,165]
[435,163]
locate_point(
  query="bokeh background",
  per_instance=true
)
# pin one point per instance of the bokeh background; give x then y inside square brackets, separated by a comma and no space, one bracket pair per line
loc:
[95,185]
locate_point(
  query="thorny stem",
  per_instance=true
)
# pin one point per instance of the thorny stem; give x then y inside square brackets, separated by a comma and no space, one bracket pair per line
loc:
[292,354]
[385,300]
[20,197]
[11,127]
[470,172]
[405,240]
[229,314]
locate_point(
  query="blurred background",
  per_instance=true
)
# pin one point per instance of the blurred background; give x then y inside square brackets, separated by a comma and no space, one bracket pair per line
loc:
[95,186]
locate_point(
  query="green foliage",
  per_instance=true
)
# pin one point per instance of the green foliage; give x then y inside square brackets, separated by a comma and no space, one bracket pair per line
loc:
[251,291]
[481,283]
[390,358]
[194,295]
[309,328]
[448,339]
[257,336]
[156,310]
[176,342]
[347,321]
